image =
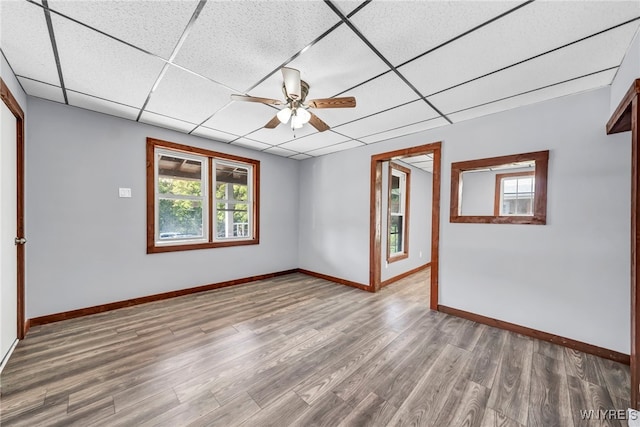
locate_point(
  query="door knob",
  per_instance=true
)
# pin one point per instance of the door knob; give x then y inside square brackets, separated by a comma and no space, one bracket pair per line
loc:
[20,241]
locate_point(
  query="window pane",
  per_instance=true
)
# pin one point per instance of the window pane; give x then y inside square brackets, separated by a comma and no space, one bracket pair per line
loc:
[180,219]
[394,201]
[232,182]
[525,185]
[179,176]
[524,206]
[510,186]
[232,220]
[395,234]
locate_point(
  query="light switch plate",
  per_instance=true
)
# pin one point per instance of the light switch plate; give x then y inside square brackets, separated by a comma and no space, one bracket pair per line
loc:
[124,192]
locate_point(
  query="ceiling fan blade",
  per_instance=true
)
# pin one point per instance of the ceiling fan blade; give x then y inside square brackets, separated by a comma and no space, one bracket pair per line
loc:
[317,123]
[291,78]
[273,123]
[346,102]
[268,101]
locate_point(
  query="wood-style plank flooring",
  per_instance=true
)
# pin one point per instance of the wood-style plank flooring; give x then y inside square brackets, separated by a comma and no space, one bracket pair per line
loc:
[301,351]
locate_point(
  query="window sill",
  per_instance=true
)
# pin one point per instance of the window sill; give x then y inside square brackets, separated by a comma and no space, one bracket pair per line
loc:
[534,220]
[194,246]
[398,257]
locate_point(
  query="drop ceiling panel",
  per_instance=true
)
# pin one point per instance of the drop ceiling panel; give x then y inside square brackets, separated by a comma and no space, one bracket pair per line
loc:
[420,26]
[404,130]
[280,152]
[238,43]
[347,6]
[335,148]
[315,141]
[418,159]
[101,105]
[280,134]
[241,118]
[155,26]
[407,114]
[575,86]
[494,46]
[218,135]
[100,66]
[249,143]
[379,94]
[188,97]
[337,62]
[166,122]
[594,54]
[42,90]
[25,41]
[301,157]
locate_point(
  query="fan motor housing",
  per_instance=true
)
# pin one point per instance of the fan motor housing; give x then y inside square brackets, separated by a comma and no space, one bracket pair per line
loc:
[304,90]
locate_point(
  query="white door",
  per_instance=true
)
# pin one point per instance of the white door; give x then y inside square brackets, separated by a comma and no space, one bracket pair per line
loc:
[8,227]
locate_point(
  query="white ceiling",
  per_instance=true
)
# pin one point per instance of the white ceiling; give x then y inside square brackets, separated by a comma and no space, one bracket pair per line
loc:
[412,65]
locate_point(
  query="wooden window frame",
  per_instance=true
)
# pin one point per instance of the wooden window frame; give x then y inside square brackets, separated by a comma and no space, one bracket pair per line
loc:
[498,193]
[405,228]
[152,144]
[539,216]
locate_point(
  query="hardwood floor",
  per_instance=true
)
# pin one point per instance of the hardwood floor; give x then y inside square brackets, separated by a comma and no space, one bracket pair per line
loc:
[297,350]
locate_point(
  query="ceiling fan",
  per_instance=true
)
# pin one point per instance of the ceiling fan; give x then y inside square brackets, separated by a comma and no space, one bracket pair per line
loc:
[297,110]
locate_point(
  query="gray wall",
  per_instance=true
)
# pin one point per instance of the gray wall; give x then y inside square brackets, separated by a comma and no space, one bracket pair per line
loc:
[88,247]
[569,277]
[420,216]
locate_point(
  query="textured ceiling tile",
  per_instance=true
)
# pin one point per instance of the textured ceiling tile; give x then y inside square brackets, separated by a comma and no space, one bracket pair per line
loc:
[547,25]
[280,152]
[24,39]
[301,157]
[155,26]
[100,66]
[407,114]
[166,122]
[42,90]
[418,159]
[335,148]
[241,118]
[102,106]
[400,30]
[347,6]
[280,134]
[218,135]
[238,43]
[594,54]
[574,86]
[249,143]
[379,94]
[188,97]
[404,130]
[315,141]
[337,62]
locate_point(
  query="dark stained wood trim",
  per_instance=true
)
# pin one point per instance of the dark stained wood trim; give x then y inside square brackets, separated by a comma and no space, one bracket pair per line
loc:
[152,143]
[497,193]
[620,120]
[335,279]
[405,274]
[627,117]
[407,206]
[375,250]
[534,333]
[50,318]
[539,216]
[13,106]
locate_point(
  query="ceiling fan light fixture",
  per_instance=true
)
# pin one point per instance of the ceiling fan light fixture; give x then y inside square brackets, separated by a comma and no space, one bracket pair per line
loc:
[303,115]
[284,115]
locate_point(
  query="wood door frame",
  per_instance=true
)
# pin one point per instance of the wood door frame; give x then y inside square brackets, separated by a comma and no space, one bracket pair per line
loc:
[375,231]
[11,103]
[627,117]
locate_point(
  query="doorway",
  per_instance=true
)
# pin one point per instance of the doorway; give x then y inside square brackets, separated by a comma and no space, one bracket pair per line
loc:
[11,221]
[377,217]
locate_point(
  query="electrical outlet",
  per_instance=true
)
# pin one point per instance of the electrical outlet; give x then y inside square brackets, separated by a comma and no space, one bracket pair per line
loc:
[124,192]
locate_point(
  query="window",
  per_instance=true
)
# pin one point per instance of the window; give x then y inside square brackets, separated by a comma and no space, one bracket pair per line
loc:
[199,199]
[515,194]
[398,213]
